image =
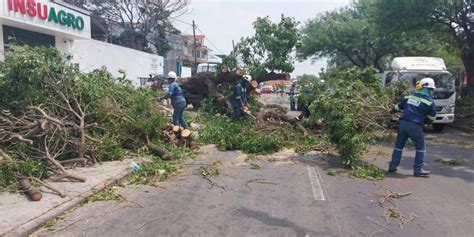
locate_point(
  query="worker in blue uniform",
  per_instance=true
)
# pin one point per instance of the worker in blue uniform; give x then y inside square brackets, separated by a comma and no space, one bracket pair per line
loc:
[238,98]
[418,109]
[177,100]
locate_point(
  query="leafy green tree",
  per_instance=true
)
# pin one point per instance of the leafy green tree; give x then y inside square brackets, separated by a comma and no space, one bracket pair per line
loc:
[269,50]
[139,24]
[453,18]
[306,79]
[349,37]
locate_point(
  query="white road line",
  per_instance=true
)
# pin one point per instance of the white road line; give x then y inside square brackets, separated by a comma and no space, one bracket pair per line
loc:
[315,184]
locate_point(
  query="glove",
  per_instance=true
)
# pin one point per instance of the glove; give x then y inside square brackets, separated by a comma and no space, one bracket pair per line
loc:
[393,111]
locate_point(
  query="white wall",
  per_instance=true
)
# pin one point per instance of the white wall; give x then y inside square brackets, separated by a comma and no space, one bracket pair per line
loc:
[185,72]
[93,54]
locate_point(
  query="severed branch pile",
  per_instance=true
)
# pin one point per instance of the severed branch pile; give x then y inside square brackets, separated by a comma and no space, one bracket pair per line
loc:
[278,112]
[53,117]
[207,84]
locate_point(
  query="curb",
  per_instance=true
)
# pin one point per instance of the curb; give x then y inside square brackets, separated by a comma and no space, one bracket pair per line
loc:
[34,224]
[460,128]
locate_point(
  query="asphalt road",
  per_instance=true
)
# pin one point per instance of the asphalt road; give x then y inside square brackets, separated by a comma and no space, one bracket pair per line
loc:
[291,195]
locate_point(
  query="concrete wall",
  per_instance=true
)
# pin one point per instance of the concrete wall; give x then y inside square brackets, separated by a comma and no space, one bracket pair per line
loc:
[93,54]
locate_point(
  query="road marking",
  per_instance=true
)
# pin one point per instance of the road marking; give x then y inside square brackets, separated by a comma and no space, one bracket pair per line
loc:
[315,184]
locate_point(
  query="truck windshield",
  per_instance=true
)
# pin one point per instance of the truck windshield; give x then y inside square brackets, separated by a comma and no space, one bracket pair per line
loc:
[442,80]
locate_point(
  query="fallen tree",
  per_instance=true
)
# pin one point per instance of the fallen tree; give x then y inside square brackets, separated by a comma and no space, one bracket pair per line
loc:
[351,108]
[277,112]
[208,83]
[53,116]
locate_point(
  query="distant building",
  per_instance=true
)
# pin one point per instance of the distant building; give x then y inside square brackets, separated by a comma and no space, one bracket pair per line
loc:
[187,53]
[181,58]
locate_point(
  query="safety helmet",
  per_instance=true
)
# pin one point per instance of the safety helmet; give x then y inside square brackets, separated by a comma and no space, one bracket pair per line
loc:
[248,78]
[427,83]
[172,75]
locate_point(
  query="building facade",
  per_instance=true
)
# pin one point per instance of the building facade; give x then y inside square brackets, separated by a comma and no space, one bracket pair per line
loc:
[57,24]
[181,58]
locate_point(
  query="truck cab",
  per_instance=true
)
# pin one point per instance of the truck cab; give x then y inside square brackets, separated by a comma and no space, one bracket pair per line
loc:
[207,67]
[412,69]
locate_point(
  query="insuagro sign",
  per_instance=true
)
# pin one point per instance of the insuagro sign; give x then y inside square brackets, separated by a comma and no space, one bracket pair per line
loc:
[46,13]
[46,16]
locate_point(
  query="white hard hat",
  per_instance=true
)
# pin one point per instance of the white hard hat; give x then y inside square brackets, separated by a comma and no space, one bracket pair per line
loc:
[172,74]
[428,83]
[247,78]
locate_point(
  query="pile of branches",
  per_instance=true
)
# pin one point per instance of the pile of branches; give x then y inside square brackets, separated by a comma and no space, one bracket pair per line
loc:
[54,116]
[209,83]
[352,107]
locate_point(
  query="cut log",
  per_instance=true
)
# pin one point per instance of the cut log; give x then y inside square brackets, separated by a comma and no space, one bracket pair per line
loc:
[185,133]
[61,194]
[32,192]
[163,153]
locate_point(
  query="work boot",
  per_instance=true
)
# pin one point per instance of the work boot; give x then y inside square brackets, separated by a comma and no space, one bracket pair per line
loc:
[421,173]
[392,170]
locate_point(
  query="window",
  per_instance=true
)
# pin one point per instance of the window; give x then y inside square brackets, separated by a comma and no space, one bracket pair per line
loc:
[25,37]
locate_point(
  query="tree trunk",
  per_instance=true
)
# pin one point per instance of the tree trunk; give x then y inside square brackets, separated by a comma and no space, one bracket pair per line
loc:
[273,77]
[468,61]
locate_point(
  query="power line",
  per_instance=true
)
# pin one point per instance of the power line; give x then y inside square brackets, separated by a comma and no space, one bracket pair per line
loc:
[183,22]
[197,27]
[208,39]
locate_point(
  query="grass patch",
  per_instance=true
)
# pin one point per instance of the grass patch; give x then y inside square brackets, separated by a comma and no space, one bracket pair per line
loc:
[368,171]
[449,162]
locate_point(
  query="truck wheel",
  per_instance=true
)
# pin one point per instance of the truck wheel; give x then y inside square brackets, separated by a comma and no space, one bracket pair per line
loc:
[438,127]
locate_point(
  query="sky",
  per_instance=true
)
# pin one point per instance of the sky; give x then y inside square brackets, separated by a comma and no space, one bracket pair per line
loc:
[225,20]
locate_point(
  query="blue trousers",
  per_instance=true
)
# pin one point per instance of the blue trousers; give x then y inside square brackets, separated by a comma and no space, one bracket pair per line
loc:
[178,114]
[237,112]
[293,105]
[413,131]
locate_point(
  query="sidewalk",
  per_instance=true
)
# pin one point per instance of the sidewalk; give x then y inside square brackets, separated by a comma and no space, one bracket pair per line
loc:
[21,217]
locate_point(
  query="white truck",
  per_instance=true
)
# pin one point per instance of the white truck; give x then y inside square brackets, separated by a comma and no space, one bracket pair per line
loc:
[413,69]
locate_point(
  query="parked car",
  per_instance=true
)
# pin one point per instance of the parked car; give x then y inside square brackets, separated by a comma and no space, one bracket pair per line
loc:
[267,89]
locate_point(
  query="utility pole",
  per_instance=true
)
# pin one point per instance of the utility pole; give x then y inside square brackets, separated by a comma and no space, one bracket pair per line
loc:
[233,44]
[195,47]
